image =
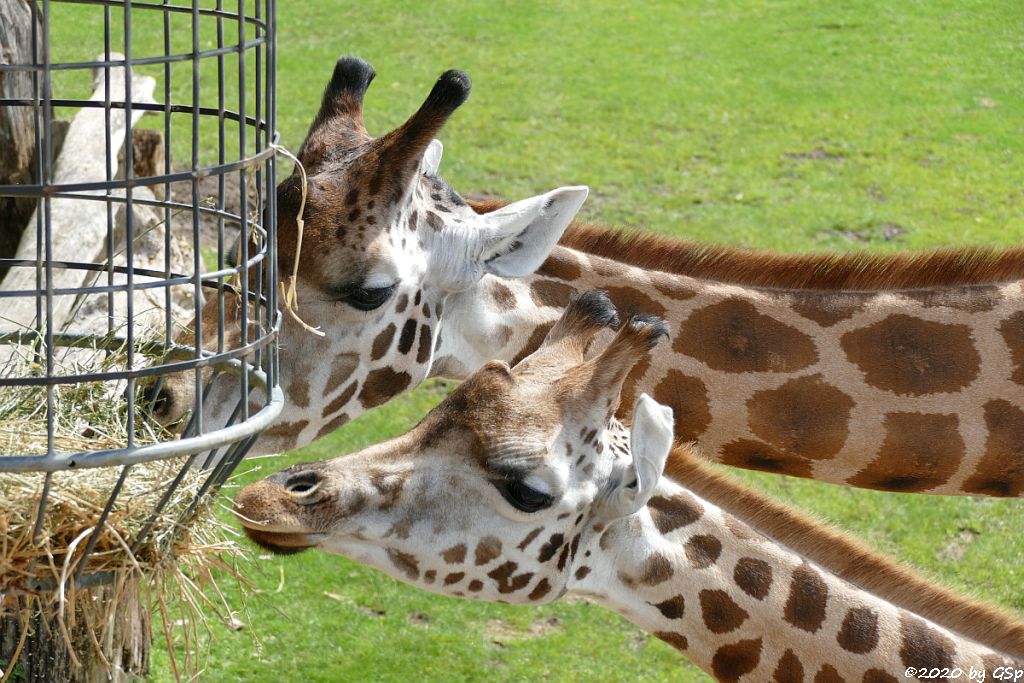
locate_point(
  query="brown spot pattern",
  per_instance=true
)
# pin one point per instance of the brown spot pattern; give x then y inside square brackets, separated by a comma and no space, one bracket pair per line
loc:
[910,356]
[703,550]
[757,455]
[789,669]
[335,423]
[533,343]
[455,555]
[340,400]
[754,577]
[381,385]
[920,451]
[630,301]
[720,612]
[1012,330]
[733,336]
[560,265]
[805,606]
[405,563]
[672,608]
[342,368]
[298,393]
[735,660]
[528,539]
[507,583]
[826,308]
[454,577]
[878,676]
[423,350]
[382,342]
[688,397]
[859,632]
[550,293]
[504,299]
[828,674]
[476,585]
[582,573]
[676,640]
[548,550]
[487,549]
[408,336]
[804,417]
[669,514]
[922,646]
[540,590]
[1001,470]
[389,485]
[656,569]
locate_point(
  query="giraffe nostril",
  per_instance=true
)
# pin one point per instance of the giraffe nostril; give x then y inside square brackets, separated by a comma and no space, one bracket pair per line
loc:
[303,483]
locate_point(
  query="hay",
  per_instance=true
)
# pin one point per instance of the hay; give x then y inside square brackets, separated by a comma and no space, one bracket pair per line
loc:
[172,565]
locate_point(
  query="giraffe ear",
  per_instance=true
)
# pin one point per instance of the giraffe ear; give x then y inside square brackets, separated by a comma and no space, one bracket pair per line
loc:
[516,239]
[650,440]
[432,158]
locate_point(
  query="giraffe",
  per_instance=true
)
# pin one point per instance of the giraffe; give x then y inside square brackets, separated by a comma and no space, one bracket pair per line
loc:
[522,487]
[385,243]
[892,372]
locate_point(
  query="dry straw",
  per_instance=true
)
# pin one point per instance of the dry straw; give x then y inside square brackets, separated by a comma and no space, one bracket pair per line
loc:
[172,569]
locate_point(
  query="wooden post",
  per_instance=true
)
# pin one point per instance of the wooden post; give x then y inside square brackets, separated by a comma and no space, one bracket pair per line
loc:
[17,128]
[74,222]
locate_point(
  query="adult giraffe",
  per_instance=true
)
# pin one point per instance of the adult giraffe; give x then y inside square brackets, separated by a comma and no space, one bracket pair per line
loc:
[893,372]
[521,487]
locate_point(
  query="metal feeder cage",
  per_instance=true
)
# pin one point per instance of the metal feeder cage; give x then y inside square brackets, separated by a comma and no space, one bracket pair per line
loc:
[192,225]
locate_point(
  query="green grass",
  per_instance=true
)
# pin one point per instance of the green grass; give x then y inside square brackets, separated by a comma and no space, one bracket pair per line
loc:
[791,125]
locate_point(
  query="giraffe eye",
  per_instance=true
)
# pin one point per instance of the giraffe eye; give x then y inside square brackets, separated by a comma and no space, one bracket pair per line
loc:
[368,299]
[523,497]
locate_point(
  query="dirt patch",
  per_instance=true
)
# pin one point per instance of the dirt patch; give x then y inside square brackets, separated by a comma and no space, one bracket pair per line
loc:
[958,545]
[500,632]
[816,154]
[878,232]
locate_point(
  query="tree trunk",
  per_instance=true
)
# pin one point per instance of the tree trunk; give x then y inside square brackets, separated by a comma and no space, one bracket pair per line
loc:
[109,627]
[17,127]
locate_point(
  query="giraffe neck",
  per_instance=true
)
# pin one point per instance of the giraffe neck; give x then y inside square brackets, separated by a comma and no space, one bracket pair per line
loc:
[741,600]
[911,391]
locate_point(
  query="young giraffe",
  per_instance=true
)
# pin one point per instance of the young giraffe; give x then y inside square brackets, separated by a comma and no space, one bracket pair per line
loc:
[894,372]
[521,487]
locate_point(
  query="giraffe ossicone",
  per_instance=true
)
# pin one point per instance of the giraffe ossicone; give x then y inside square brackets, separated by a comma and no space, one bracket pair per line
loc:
[522,486]
[385,243]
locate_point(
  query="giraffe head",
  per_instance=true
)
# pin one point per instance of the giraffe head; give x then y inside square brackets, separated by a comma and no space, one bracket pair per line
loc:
[385,242]
[490,496]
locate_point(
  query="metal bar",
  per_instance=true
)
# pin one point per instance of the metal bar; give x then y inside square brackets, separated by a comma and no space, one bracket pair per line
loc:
[151,452]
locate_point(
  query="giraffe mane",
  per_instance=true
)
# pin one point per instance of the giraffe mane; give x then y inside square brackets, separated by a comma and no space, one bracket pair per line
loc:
[848,558]
[943,267]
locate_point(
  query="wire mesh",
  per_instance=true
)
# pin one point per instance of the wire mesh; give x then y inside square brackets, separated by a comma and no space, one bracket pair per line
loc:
[200,77]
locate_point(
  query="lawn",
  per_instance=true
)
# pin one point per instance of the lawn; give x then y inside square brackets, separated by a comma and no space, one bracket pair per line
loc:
[795,125]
